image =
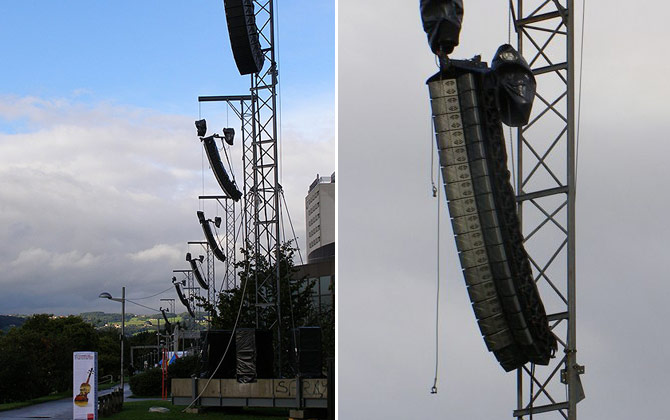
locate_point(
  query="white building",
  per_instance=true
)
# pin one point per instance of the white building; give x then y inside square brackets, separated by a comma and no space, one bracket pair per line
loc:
[320,217]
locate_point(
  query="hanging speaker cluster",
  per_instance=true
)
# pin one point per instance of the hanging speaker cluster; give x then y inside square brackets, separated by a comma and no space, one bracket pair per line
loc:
[196,270]
[183,299]
[243,35]
[482,206]
[209,236]
[168,325]
[220,173]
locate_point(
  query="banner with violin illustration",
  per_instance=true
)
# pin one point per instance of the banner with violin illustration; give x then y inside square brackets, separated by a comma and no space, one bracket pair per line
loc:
[85,385]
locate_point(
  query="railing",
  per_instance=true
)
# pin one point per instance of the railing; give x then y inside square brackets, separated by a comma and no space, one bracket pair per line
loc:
[111,403]
[106,379]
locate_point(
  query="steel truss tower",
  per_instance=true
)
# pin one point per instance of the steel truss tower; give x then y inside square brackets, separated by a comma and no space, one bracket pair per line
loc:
[243,106]
[545,187]
[265,168]
[230,241]
[261,170]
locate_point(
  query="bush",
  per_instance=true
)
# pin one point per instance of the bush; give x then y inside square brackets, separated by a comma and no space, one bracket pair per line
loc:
[147,383]
[184,367]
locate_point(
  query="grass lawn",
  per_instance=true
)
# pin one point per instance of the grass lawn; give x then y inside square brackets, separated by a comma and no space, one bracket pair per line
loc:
[139,410]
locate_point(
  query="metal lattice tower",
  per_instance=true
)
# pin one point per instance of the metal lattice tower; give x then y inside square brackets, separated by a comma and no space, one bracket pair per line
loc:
[229,276]
[261,168]
[242,107]
[545,186]
[265,167]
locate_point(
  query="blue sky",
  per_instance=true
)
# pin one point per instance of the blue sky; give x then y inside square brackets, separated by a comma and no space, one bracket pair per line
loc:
[99,159]
[153,54]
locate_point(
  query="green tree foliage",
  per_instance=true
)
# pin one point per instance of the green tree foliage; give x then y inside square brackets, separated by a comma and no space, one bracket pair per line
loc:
[109,349]
[296,306]
[36,359]
[148,383]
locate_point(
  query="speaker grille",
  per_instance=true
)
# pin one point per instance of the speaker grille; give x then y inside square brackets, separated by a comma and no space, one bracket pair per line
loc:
[220,173]
[244,35]
[482,206]
[209,235]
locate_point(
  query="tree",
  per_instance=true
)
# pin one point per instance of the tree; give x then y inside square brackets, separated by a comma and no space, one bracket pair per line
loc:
[36,358]
[295,296]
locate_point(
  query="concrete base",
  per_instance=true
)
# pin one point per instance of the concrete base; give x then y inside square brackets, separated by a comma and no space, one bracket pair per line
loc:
[308,414]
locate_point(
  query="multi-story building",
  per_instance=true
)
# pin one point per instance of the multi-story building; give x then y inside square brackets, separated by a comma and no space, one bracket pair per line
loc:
[320,223]
[320,218]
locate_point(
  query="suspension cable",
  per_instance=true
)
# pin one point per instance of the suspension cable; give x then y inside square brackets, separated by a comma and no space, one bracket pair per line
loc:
[139,304]
[579,95]
[159,293]
[232,335]
[295,237]
[433,390]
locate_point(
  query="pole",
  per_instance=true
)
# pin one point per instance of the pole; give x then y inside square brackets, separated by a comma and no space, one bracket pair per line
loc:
[123,331]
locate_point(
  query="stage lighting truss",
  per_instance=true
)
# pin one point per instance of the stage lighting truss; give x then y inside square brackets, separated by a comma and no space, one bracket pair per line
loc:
[196,269]
[482,207]
[209,235]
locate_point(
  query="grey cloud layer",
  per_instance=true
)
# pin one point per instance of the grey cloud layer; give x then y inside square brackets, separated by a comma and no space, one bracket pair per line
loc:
[99,196]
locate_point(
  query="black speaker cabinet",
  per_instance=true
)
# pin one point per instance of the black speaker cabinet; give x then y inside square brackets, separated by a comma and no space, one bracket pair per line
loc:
[255,354]
[244,35]
[215,343]
[308,358]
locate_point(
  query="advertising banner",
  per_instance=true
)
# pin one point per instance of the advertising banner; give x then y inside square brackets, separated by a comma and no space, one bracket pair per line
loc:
[85,385]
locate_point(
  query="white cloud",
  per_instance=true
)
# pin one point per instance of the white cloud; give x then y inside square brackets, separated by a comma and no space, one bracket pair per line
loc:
[96,196]
[158,252]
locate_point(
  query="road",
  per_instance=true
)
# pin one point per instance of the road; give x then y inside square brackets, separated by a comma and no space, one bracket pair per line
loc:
[57,410]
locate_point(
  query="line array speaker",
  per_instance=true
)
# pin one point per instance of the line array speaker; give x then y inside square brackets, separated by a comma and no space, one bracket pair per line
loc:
[183,300]
[244,35]
[209,236]
[196,272]
[220,173]
[482,207]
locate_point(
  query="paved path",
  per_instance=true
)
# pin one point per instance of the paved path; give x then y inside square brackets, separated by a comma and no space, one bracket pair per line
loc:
[57,410]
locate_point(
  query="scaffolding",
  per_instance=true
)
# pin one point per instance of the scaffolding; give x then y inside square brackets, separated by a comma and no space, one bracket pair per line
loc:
[545,187]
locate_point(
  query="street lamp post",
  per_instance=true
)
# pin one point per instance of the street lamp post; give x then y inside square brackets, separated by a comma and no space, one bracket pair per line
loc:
[105,295]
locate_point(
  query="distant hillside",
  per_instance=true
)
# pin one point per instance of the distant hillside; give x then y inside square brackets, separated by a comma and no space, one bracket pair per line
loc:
[9,321]
[137,323]
[100,319]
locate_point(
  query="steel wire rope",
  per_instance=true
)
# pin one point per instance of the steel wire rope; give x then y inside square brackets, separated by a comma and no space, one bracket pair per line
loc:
[159,293]
[511,135]
[290,292]
[432,161]
[579,95]
[225,352]
[230,165]
[295,237]
[202,162]
[436,193]
[433,390]
[279,116]
[144,306]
